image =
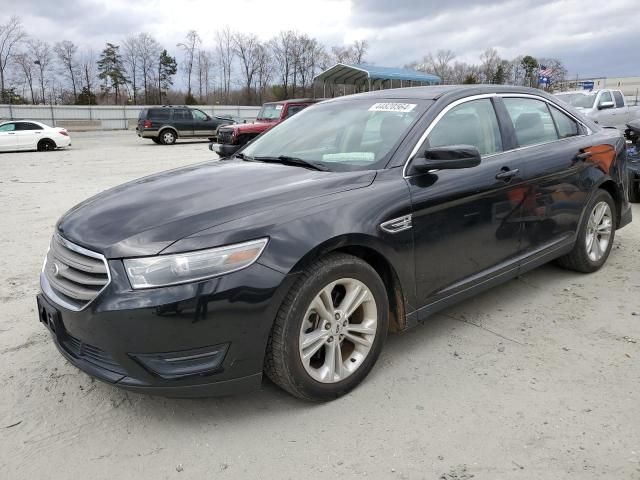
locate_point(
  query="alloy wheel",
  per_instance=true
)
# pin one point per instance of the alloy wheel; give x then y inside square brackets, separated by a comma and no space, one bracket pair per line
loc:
[338,330]
[598,233]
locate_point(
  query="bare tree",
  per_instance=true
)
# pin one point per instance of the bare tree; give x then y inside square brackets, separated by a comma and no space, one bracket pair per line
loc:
[204,64]
[88,66]
[247,48]
[190,46]
[282,47]
[489,63]
[66,53]
[41,53]
[25,63]
[264,71]
[131,61]
[438,64]
[225,53]
[149,53]
[11,34]
[360,48]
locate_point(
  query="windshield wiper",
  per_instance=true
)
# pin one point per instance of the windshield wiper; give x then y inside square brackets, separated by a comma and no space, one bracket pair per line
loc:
[287,160]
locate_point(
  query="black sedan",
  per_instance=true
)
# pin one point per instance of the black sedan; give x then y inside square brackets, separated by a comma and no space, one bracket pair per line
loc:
[359,216]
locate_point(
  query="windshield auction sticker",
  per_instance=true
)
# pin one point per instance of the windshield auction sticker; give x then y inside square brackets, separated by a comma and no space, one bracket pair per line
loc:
[392,107]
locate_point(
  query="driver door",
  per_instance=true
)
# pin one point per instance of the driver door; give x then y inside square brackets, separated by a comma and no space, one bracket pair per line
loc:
[203,124]
[467,222]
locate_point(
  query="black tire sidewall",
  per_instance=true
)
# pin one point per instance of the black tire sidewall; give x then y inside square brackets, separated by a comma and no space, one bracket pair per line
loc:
[601,195]
[343,269]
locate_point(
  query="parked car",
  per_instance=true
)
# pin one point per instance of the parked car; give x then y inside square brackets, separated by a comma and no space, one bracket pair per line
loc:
[164,125]
[606,107]
[32,135]
[232,137]
[632,134]
[363,215]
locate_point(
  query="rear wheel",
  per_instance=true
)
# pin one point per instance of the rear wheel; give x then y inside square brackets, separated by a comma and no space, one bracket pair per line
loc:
[168,137]
[595,236]
[46,145]
[330,329]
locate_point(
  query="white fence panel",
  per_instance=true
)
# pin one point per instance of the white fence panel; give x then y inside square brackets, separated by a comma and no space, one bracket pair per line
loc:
[105,117]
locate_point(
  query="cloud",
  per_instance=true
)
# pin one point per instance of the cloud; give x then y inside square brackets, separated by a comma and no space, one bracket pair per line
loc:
[592,38]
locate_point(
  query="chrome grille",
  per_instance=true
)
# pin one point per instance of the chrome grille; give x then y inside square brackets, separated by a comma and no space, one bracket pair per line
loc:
[73,276]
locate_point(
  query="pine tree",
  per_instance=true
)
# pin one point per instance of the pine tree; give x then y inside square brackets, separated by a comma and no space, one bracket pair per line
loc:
[167,68]
[111,70]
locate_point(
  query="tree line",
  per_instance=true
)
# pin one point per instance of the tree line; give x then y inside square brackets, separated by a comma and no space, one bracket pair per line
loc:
[235,68]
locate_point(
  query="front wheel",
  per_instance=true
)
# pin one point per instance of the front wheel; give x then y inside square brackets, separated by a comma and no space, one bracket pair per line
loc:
[595,236]
[330,329]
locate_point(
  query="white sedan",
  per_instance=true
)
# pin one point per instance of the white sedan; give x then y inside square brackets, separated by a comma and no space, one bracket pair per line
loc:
[30,135]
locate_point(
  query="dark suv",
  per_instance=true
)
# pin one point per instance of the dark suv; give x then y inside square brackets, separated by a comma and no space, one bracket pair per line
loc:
[166,124]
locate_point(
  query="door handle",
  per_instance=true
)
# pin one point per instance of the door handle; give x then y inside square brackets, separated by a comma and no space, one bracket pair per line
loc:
[12,133]
[582,156]
[507,174]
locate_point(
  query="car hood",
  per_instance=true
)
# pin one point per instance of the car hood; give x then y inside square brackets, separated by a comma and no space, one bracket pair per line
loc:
[147,215]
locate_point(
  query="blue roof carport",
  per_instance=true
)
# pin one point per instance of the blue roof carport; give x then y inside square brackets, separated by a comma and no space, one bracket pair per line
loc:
[373,77]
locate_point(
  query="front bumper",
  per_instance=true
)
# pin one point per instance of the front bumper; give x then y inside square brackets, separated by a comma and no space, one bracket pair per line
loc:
[115,335]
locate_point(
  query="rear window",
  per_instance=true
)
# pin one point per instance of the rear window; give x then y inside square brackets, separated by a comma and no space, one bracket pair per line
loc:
[159,113]
[143,114]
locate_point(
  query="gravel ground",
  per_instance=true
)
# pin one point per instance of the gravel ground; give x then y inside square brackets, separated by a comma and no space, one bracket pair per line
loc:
[538,378]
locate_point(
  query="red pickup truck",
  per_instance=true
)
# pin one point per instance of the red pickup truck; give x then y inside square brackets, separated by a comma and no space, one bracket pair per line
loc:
[232,137]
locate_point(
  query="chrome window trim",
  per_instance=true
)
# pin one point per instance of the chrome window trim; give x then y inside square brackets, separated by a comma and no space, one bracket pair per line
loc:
[444,111]
[52,295]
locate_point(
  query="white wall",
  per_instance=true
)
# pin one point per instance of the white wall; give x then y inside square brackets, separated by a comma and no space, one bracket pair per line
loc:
[104,117]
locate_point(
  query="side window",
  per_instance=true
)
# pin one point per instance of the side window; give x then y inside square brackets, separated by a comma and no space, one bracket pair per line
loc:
[567,126]
[617,94]
[8,127]
[199,115]
[531,120]
[605,97]
[27,126]
[470,123]
[159,113]
[182,114]
[293,109]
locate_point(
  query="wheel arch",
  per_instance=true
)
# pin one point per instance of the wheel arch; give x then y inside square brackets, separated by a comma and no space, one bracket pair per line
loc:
[168,127]
[610,186]
[366,248]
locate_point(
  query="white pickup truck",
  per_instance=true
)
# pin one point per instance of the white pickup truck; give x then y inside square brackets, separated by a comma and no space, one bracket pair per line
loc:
[605,107]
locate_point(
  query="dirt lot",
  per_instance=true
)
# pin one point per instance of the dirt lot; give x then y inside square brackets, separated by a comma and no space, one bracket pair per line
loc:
[538,378]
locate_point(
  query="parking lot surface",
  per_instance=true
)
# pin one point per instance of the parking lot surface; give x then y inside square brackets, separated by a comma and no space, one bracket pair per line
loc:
[538,378]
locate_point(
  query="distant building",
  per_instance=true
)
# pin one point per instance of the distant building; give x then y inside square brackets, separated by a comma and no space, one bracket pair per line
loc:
[630,86]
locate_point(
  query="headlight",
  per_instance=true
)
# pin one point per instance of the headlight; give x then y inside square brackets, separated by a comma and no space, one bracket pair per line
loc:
[148,272]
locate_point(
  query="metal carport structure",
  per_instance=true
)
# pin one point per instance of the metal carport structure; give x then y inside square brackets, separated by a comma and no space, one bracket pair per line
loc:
[372,77]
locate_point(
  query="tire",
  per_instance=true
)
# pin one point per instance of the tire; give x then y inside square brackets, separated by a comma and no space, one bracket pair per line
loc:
[168,137]
[212,139]
[591,251]
[46,145]
[156,140]
[634,192]
[309,312]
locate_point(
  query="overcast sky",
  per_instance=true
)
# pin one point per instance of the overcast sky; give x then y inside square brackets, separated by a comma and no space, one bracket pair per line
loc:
[591,37]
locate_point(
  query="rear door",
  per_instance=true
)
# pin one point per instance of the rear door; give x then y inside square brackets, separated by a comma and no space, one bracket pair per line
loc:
[28,135]
[183,122]
[203,124]
[552,146]
[622,113]
[8,138]
[466,223]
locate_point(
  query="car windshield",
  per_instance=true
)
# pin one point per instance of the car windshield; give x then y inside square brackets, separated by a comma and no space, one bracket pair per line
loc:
[582,100]
[344,135]
[270,111]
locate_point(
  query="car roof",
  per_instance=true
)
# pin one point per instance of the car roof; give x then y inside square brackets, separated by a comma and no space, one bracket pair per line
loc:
[25,121]
[294,100]
[437,91]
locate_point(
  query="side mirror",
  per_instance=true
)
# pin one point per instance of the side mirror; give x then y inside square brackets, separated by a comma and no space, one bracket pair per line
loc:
[605,105]
[445,158]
